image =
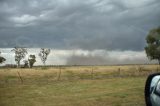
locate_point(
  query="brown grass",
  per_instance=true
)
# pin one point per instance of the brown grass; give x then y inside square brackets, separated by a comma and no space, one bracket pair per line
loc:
[78,86]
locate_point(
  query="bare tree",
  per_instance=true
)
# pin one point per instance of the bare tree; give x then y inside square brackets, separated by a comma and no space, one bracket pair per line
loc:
[20,54]
[2,59]
[44,52]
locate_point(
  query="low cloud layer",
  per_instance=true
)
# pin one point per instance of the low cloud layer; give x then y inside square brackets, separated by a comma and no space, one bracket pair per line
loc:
[109,58]
[78,24]
[84,57]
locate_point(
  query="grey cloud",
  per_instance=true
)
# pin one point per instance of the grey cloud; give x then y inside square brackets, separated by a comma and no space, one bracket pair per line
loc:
[90,25]
[101,60]
[86,60]
[108,58]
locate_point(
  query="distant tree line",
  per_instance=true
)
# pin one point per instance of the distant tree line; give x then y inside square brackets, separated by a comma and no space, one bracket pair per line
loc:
[20,54]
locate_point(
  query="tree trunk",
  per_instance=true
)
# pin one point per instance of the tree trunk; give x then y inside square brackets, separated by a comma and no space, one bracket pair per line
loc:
[44,63]
[18,64]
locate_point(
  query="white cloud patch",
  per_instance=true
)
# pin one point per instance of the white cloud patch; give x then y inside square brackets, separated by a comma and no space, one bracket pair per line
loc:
[24,19]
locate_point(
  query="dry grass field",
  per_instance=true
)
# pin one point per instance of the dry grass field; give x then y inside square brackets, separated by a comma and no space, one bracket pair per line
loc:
[75,86]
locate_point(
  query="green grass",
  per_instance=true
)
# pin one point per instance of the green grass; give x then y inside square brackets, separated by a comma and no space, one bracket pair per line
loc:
[127,91]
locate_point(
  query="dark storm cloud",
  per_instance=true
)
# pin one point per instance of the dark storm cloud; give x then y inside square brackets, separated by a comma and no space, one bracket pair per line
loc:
[78,24]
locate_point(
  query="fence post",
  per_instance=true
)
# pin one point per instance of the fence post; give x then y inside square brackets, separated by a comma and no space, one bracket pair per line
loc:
[20,77]
[59,76]
[157,69]
[92,73]
[119,72]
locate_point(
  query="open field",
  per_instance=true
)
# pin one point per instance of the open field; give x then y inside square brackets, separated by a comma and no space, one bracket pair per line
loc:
[75,86]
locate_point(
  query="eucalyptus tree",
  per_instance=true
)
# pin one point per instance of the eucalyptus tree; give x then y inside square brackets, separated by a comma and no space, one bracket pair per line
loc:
[20,54]
[44,52]
[153,44]
[31,60]
[2,59]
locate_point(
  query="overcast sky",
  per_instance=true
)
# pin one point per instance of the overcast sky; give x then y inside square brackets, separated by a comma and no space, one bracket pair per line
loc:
[118,26]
